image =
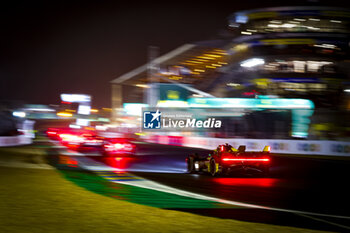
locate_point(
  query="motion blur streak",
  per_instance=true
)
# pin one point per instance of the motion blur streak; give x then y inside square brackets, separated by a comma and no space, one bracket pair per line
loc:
[254,182]
[120,163]
[242,159]
[67,160]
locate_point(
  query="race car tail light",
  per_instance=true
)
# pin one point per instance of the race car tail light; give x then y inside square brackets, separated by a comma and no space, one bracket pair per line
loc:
[245,159]
[71,138]
[51,133]
[119,147]
[93,141]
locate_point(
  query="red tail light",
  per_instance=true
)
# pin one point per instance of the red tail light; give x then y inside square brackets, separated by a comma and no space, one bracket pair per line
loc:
[52,133]
[65,137]
[246,159]
[119,147]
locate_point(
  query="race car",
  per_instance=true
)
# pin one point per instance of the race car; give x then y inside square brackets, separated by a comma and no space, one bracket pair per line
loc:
[118,147]
[90,141]
[226,160]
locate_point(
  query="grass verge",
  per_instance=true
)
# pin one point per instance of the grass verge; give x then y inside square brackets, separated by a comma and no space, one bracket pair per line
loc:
[35,200]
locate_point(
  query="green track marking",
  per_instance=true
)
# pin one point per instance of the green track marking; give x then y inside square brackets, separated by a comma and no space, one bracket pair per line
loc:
[138,195]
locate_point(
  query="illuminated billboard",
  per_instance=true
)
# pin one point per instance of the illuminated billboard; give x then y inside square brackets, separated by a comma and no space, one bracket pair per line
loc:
[75,98]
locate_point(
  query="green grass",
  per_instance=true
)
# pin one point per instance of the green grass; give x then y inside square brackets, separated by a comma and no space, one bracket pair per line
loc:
[35,200]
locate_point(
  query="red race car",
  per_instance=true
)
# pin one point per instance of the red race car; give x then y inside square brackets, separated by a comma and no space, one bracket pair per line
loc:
[226,159]
[89,141]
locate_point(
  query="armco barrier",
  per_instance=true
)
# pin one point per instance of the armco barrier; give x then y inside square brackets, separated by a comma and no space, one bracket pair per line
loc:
[15,140]
[312,147]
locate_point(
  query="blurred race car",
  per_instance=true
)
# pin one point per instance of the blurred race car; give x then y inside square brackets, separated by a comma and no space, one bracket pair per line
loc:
[226,159]
[90,141]
[118,147]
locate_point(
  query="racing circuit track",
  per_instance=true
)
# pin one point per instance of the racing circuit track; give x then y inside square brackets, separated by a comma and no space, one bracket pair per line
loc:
[315,186]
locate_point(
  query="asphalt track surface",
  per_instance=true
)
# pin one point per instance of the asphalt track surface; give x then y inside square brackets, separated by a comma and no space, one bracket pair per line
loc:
[309,185]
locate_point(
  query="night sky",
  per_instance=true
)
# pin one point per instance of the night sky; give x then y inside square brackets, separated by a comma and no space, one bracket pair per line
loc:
[54,47]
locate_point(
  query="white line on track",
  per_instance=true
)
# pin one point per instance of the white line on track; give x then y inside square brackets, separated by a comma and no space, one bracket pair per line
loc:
[325,221]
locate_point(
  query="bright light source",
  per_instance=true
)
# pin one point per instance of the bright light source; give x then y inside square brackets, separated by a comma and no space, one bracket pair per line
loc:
[247,159]
[273,26]
[64,114]
[134,109]
[116,147]
[74,126]
[71,138]
[252,62]
[313,28]
[288,25]
[101,127]
[335,21]
[327,46]
[246,33]
[146,86]
[347,90]
[19,114]
[94,110]
[84,109]
[75,98]
[241,18]
[40,109]
[285,25]
[82,122]
[212,55]
[233,84]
